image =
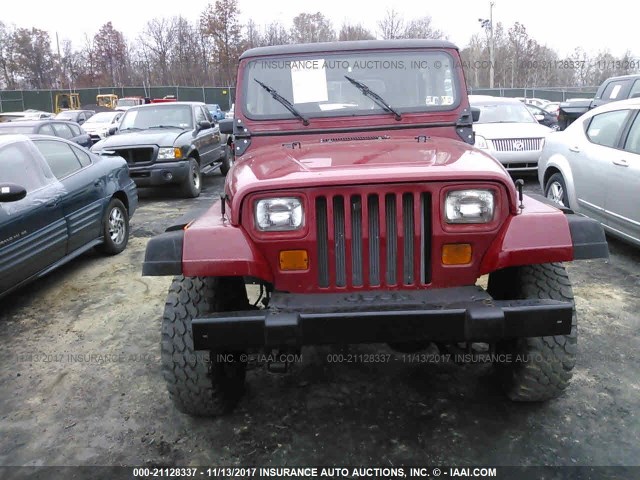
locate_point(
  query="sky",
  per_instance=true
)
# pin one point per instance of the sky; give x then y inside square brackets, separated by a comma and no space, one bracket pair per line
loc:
[561,25]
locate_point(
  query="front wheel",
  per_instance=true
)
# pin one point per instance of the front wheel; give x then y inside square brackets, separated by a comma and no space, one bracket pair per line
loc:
[540,368]
[227,161]
[192,185]
[201,383]
[115,228]
[556,190]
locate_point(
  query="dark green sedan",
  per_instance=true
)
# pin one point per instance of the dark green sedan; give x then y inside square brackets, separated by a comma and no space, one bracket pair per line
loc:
[58,200]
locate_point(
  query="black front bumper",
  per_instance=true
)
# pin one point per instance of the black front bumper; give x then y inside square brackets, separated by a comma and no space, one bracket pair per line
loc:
[442,315]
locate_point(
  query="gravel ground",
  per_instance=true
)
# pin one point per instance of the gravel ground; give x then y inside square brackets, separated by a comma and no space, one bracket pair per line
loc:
[80,382]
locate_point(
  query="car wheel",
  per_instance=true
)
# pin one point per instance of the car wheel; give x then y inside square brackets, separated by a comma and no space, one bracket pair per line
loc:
[555,127]
[192,185]
[227,161]
[556,190]
[199,382]
[115,228]
[540,368]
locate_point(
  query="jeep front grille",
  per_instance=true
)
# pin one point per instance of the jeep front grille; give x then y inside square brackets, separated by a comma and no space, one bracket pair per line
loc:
[517,144]
[373,239]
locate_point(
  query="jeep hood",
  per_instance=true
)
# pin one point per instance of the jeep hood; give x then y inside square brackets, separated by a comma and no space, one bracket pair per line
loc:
[313,164]
[160,137]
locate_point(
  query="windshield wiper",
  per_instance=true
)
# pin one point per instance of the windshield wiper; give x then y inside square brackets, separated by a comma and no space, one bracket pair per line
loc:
[130,128]
[287,104]
[374,96]
[167,126]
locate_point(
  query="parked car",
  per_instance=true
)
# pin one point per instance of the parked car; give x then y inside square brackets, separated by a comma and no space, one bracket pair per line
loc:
[57,201]
[507,130]
[171,143]
[365,214]
[538,102]
[611,90]
[543,117]
[553,107]
[98,125]
[214,110]
[593,167]
[57,128]
[78,116]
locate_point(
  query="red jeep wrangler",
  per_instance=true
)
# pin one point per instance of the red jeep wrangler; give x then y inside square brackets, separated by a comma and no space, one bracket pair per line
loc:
[359,205]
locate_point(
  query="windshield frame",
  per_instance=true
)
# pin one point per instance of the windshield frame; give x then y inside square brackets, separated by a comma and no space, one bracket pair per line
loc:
[353,55]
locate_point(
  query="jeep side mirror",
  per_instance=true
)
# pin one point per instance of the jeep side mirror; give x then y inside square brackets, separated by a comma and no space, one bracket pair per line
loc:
[475,113]
[226,125]
[10,192]
[113,130]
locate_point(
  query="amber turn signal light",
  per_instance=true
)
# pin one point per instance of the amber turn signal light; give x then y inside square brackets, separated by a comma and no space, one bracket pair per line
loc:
[456,254]
[294,260]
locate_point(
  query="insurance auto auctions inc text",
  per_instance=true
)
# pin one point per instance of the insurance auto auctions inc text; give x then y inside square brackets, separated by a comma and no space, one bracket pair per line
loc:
[372,472]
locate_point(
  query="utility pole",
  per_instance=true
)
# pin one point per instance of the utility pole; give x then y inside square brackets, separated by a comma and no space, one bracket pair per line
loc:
[492,47]
[487,24]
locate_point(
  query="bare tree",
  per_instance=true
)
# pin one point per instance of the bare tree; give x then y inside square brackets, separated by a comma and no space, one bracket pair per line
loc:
[7,57]
[110,51]
[223,25]
[275,34]
[350,31]
[252,36]
[392,25]
[34,60]
[159,37]
[423,28]
[311,28]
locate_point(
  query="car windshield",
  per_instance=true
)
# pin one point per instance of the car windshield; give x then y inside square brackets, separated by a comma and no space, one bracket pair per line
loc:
[504,113]
[340,84]
[102,117]
[178,116]
[11,128]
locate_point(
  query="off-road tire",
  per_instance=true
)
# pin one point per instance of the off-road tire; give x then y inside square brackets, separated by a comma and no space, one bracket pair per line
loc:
[116,219]
[557,179]
[227,161]
[547,371]
[198,383]
[192,184]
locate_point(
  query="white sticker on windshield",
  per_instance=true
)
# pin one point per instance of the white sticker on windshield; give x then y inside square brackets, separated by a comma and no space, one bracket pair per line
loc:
[5,190]
[309,81]
[615,91]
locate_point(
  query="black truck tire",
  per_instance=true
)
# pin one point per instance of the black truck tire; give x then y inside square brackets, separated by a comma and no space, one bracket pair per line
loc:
[192,185]
[227,161]
[541,367]
[199,382]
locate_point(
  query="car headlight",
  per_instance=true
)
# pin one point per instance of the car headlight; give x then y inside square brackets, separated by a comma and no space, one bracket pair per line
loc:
[279,214]
[481,142]
[169,153]
[469,206]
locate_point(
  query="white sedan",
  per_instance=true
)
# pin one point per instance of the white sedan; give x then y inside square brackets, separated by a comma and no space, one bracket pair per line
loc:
[509,132]
[593,167]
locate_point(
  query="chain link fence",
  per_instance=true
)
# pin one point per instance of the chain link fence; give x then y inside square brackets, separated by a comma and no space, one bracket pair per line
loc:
[19,100]
[551,94]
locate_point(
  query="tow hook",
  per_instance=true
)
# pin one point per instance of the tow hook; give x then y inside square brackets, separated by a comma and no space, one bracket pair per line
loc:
[279,361]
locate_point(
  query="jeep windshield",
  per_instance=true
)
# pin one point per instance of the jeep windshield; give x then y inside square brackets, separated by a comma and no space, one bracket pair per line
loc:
[350,84]
[178,116]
